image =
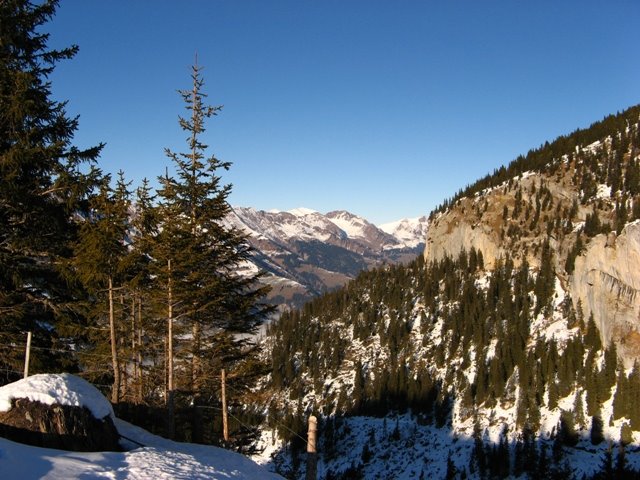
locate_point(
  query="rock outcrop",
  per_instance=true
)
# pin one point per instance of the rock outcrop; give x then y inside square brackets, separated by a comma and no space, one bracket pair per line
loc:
[449,236]
[62,427]
[606,276]
[606,280]
[498,221]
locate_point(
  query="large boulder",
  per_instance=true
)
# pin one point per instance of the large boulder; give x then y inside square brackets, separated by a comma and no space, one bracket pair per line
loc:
[58,426]
[57,411]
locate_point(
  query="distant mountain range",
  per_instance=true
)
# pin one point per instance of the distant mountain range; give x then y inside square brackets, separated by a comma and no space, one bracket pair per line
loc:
[306,252]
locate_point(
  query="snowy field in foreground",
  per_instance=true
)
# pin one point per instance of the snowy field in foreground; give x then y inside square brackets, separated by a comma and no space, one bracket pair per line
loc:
[158,459]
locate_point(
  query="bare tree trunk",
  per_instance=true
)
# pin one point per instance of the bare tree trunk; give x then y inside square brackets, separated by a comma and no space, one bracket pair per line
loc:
[196,384]
[136,380]
[312,455]
[170,387]
[139,356]
[125,378]
[225,421]
[196,362]
[115,391]
[27,355]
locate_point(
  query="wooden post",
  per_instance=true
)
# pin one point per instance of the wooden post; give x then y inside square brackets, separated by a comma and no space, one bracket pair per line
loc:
[27,355]
[225,420]
[312,456]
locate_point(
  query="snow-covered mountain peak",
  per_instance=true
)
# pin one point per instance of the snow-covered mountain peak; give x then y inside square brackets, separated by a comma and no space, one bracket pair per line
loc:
[301,211]
[411,232]
[353,225]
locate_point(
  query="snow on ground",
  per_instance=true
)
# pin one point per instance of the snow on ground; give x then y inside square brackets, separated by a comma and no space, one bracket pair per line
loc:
[604,191]
[158,459]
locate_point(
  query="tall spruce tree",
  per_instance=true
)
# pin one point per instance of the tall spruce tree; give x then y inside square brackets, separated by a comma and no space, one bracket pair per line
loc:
[199,257]
[101,262]
[42,189]
[146,321]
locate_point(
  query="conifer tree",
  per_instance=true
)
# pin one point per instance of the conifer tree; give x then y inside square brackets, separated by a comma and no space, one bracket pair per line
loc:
[197,255]
[100,260]
[626,434]
[545,281]
[632,395]
[597,427]
[566,430]
[143,230]
[42,187]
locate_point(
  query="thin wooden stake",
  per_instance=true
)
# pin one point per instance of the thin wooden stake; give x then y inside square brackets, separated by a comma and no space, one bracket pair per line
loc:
[27,355]
[312,456]
[225,420]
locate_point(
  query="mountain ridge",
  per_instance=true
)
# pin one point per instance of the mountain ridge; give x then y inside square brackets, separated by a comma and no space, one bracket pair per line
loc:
[306,252]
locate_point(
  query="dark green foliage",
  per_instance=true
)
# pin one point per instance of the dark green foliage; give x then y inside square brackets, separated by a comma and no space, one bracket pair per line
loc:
[545,281]
[635,212]
[567,434]
[606,467]
[204,252]
[592,338]
[42,188]
[100,263]
[626,434]
[632,178]
[452,471]
[473,319]
[622,215]
[597,434]
[575,251]
[196,259]
[592,224]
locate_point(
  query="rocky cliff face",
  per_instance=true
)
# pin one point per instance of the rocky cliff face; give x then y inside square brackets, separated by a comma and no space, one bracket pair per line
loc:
[510,219]
[557,204]
[606,280]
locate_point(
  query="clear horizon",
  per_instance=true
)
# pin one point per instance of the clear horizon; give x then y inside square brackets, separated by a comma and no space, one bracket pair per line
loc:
[384,109]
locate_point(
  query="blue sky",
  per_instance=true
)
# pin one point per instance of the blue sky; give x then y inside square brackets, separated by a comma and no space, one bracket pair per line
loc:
[382,108]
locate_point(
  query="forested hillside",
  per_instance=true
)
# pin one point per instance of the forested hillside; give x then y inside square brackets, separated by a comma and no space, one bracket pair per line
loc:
[489,348]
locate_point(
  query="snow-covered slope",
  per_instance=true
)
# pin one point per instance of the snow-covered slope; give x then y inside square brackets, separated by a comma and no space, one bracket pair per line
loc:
[416,444]
[157,459]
